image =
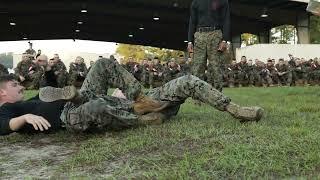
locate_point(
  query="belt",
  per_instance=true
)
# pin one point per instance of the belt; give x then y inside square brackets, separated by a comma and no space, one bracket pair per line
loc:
[208,29]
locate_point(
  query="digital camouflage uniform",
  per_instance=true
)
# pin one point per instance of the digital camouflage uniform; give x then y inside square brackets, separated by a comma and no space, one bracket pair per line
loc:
[263,74]
[314,75]
[36,74]
[233,75]
[22,69]
[62,76]
[77,72]
[170,72]
[273,73]
[284,74]
[99,111]
[243,74]
[205,51]
[300,74]
[156,75]
[184,69]
[144,74]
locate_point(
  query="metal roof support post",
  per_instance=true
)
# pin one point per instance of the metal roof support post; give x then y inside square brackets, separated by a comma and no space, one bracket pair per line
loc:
[303,28]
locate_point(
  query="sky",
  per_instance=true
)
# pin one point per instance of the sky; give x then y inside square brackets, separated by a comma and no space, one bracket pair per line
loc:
[49,47]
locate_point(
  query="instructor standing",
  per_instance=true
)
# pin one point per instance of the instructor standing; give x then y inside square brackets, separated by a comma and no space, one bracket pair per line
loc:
[209,31]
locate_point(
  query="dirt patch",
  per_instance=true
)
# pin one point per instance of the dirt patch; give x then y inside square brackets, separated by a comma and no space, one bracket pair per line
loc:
[38,158]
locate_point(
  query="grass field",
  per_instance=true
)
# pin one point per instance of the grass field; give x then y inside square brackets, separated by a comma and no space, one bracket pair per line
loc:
[199,143]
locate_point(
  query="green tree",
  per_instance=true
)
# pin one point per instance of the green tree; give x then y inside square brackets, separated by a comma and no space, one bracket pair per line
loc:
[283,34]
[249,39]
[135,51]
[315,29]
[139,52]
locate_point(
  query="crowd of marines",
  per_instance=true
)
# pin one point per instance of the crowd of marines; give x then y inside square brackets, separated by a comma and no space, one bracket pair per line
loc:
[152,73]
[292,72]
[31,70]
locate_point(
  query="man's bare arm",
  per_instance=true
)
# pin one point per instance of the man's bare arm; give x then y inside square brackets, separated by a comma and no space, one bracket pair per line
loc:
[38,122]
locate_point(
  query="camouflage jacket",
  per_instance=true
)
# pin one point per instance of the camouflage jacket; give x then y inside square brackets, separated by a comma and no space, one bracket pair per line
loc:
[23,68]
[60,67]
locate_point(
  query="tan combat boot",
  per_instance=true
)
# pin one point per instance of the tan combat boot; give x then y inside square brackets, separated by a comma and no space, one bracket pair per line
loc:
[151,119]
[51,94]
[245,113]
[145,104]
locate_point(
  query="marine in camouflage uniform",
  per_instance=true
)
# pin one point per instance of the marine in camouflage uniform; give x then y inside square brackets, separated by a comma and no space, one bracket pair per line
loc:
[171,71]
[251,73]
[314,75]
[273,72]
[31,52]
[22,70]
[284,73]
[209,26]
[129,66]
[60,71]
[243,74]
[144,68]
[264,74]
[233,74]
[97,111]
[184,67]
[77,71]
[156,73]
[300,73]
[36,73]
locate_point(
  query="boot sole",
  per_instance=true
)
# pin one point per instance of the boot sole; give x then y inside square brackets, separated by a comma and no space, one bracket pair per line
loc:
[51,94]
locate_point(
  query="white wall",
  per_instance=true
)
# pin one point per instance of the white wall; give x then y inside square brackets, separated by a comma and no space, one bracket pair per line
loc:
[277,51]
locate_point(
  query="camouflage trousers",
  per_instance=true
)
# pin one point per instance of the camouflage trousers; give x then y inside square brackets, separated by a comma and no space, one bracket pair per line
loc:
[207,57]
[100,111]
[188,86]
[97,110]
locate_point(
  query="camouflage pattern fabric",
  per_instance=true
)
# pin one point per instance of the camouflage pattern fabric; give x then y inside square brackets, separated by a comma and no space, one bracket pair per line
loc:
[99,111]
[205,48]
[23,67]
[178,90]
[77,72]
[62,76]
[156,74]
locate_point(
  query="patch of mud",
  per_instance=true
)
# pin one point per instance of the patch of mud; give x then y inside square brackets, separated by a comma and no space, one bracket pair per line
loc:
[39,158]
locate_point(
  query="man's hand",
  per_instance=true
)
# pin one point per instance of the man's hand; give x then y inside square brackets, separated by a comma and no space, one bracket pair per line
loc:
[38,122]
[190,47]
[22,78]
[222,46]
[31,72]
[56,73]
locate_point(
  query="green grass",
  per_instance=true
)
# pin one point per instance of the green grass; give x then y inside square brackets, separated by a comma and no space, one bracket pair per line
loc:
[202,143]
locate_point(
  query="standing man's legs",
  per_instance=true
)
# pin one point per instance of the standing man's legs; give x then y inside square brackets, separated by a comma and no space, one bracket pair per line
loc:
[215,59]
[199,62]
